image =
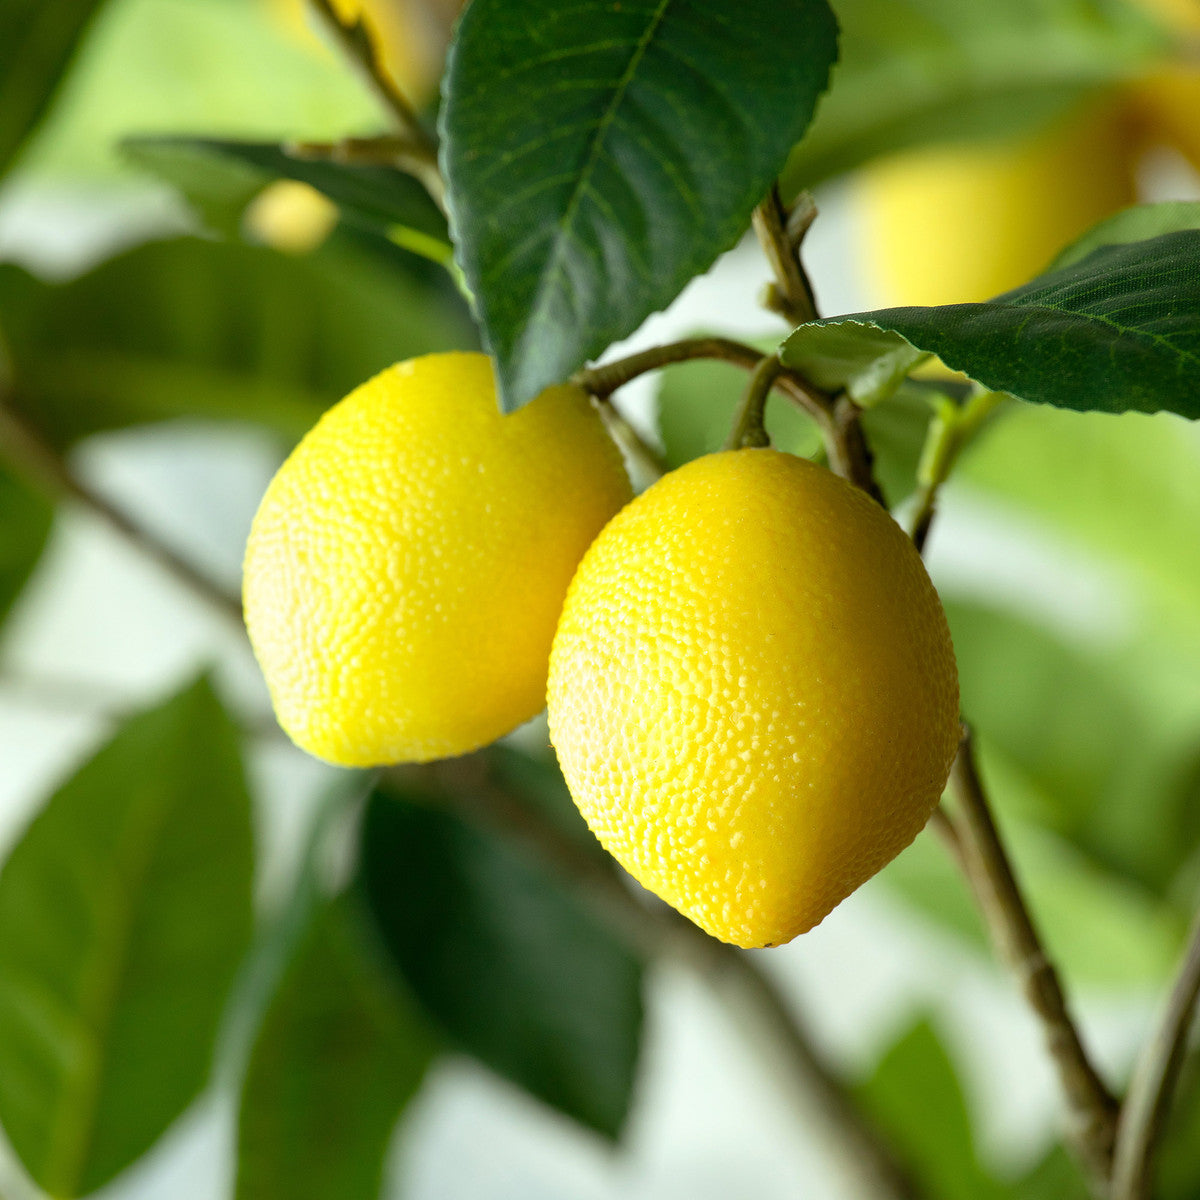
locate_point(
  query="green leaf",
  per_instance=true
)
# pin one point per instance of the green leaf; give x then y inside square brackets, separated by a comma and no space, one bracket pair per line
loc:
[923,71]
[339,1055]
[599,155]
[192,328]
[1177,1176]
[1056,1177]
[38,39]
[510,964]
[1115,332]
[852,356]
[916,1099]
[25,520]
[1136,224]
[220,177]
[124,914]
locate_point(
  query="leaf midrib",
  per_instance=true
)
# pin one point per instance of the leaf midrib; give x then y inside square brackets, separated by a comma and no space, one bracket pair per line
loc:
[553,272]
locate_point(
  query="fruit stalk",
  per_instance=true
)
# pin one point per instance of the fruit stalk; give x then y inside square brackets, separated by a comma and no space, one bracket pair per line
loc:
[1148,1101]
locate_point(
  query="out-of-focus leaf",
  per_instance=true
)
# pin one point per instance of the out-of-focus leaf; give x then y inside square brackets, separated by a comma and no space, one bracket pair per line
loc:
[1114,332]
[220,177]
[340,1053]
[505,959]
[191,328]
[915,1097]
[124,913]
[896,435]
[598,156]
[25,520]
[1122,490]
[38,38]
[1056,1177]
[1103,739]
[1177,1176]
[161,66]
[920,71]
[1136,224]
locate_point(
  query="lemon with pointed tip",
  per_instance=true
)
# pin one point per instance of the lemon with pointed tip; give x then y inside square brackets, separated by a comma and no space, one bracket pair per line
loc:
[753,693]
[407,565]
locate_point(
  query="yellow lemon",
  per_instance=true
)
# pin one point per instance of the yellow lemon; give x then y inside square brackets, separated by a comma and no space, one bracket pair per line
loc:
[1169,105]
[410,35]
[960,223]
[290,216]
[753,693]
[408,562]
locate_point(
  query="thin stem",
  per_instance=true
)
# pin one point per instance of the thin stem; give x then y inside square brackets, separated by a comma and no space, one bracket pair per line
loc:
[354,40]
[1148,1101]
[791,295]
[43,465]
[1092,1108]
[654,929]
[645,460]
[846,444]
[748,429]
[951,429]
[603,380]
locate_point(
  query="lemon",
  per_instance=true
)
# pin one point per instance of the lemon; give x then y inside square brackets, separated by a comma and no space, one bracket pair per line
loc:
[290,216]
[960,223]
[753,693]
[408,562]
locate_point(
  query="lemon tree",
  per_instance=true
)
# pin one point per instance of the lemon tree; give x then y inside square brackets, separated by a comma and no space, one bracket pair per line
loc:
[570,715]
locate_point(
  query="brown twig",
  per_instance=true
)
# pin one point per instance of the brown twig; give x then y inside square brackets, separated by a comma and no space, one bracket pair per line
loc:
[1092,1108]
[748,428]
[45,468]
[780,233]
[1152,1088]
[354,40]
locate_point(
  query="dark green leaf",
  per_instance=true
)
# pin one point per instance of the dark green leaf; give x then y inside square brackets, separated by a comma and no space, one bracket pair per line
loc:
[599,155]
[37,40]
[922,71]
[339,1055]
[191,328]
[508,962]
[124,913]
[1115,332]
[916,1099]
[25,519]
[220,177]
[1136,224]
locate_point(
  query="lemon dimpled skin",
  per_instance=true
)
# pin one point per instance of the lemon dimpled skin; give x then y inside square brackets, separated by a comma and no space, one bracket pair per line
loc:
[753,692]
[408,562]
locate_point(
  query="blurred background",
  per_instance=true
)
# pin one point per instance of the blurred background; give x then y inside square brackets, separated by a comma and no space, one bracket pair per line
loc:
[173,322]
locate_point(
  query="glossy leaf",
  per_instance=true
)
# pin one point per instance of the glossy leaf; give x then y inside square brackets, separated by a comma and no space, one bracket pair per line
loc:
[916,1099]
[25,520]
[220,177]
[340,1053]
[1114,332]
[124,913]
[923,71]
[598,156]
[504,958]
[192,328]
[38,38]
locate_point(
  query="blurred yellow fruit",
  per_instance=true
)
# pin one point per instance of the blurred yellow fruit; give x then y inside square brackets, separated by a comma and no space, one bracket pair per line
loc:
[290,216]
[411,35]
[960,223]
[1169,106]
[408,563]
[753,693]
